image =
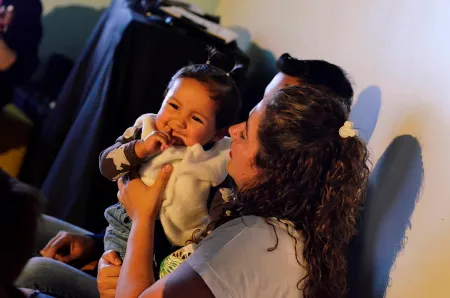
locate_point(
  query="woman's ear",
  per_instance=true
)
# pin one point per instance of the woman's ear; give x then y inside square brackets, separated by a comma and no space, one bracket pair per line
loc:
[220,134]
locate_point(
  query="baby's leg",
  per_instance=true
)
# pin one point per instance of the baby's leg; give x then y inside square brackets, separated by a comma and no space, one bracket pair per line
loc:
[118,231]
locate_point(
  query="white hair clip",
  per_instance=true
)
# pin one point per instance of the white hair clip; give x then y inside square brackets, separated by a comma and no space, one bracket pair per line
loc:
[208,62]
[347,130]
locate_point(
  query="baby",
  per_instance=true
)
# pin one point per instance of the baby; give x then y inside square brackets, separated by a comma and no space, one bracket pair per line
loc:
[201,102]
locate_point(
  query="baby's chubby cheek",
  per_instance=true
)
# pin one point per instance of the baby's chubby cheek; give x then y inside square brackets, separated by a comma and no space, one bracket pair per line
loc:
[201,136]
[160,124]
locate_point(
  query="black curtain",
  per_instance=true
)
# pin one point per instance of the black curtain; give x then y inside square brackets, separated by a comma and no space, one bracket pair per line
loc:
[122,73]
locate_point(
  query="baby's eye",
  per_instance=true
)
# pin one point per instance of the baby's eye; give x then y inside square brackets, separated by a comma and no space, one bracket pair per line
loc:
[173,106]
[195,118]
[241,135]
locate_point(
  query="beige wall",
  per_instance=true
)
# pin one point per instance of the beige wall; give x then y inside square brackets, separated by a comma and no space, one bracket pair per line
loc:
[208,6]
[403,48]
[50,5]
[68,24]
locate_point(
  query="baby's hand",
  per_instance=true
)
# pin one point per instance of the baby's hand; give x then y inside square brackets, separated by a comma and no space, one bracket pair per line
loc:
[157,141]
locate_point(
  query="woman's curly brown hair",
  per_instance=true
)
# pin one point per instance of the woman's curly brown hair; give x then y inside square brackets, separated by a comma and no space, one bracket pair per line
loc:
[311,176]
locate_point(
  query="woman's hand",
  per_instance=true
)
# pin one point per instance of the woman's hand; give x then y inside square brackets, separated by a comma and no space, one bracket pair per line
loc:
[6,16]
[108,274]
[140,200]
[7,56]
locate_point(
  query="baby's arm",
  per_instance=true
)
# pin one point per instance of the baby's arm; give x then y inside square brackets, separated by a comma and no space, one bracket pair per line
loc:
[120,158]
[130,151]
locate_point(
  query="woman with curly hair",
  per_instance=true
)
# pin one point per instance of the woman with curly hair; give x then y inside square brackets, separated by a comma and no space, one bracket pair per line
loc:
[301,174]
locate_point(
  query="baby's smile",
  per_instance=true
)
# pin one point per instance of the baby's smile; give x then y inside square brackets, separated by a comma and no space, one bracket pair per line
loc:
[178,138]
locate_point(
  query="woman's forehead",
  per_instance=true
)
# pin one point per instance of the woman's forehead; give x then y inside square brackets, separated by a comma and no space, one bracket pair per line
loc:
[258,107]
[255,115]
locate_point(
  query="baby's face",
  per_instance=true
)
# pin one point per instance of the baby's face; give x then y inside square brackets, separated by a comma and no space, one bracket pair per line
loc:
[188,113]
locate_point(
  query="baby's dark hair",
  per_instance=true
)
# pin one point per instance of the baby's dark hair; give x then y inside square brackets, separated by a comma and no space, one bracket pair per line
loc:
[319,74]
[221,86]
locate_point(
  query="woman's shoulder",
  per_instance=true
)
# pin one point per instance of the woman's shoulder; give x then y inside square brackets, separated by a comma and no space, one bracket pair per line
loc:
[265,227]
[259,234]
[248,251]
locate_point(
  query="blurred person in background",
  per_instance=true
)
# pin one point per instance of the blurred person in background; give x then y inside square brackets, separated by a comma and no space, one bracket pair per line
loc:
[21,205]
[20,36]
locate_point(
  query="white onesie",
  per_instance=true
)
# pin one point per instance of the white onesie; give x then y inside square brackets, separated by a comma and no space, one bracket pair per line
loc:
[195,171]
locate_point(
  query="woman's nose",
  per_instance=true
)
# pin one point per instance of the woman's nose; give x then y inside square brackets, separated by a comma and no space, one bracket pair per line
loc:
[234,130]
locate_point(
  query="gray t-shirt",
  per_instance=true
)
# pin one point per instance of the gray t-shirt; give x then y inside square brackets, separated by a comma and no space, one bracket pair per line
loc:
[234,260]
